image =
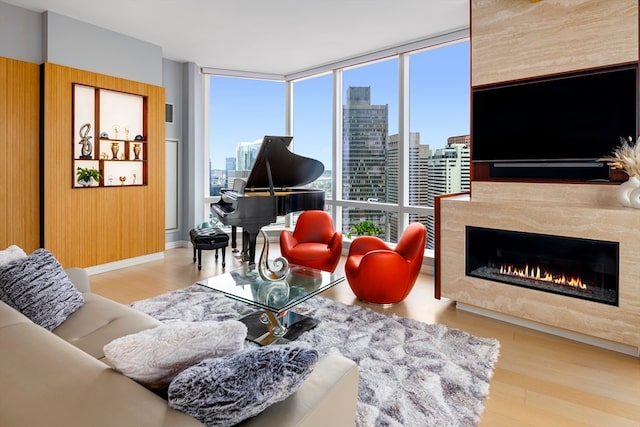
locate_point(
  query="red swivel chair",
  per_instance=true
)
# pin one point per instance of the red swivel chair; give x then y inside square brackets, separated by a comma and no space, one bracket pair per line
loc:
[314,243]
[381,275]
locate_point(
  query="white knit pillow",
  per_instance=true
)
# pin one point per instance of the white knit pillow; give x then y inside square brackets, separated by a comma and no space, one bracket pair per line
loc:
[154,356]
[13,252]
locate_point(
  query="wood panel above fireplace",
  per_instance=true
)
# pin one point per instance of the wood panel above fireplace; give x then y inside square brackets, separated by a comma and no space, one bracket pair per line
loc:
[513,40]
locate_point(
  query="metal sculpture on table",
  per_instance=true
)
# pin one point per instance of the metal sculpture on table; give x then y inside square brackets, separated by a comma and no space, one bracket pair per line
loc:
[265,271]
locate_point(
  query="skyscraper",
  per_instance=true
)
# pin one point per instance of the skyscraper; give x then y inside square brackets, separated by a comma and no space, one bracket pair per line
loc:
[246,153]
[448,170]
[230,166]
[364,169]
[418,177]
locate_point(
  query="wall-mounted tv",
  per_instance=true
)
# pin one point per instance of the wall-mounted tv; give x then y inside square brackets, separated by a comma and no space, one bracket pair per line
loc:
[570,118]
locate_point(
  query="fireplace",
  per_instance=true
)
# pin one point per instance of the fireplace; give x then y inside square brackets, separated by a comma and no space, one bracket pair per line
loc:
[575,267]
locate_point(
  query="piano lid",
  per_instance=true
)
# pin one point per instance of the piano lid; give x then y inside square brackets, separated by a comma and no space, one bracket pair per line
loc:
[287,168]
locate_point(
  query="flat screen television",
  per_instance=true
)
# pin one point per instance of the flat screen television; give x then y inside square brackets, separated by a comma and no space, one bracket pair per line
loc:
[574,119]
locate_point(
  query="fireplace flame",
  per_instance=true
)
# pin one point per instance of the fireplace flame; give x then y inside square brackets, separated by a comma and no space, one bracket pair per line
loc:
[536,273]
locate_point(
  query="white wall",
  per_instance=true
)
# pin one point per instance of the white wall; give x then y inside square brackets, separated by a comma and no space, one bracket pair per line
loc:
[80,45]
[20,34]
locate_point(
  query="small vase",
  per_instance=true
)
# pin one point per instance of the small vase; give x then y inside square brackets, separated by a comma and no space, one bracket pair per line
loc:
[634,197]
[136,151]
[115,147]
[623,193]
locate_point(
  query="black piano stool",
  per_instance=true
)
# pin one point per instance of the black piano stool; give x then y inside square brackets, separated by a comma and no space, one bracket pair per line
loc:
[207,239]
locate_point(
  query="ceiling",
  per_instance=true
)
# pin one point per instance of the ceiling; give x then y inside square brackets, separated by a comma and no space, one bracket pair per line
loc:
[277,36]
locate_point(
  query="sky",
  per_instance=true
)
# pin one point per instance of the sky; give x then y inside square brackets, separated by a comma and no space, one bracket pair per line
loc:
[243,110]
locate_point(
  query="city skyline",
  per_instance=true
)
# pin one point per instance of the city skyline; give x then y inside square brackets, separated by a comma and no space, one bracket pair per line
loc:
[370,167]
[244,110]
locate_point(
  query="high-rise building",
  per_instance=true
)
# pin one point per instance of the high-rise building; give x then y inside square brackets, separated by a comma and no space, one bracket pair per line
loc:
[418,177]
[246,153]
[230,165]
[448,169]
[364,169]
[216,180]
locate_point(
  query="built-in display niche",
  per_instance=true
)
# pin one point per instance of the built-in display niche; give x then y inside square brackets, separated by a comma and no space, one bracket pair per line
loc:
[580,268]
[109,143]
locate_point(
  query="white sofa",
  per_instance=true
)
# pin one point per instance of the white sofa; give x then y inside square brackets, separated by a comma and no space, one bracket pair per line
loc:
[61,378]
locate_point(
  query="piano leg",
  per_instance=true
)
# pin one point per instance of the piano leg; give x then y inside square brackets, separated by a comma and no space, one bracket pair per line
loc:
[234,232]
[249,238]
[245,253]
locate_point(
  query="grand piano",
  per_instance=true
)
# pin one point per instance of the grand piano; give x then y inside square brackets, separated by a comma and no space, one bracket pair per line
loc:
[270,191]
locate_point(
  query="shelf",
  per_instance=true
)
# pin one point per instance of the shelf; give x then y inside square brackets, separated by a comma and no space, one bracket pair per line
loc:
[141,141]
[98,114]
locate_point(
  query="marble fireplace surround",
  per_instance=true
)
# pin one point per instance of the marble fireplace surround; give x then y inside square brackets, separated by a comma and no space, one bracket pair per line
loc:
[572,210]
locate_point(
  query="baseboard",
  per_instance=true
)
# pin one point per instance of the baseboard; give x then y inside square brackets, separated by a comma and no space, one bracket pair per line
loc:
[575,336]
[129,262]
[176,244]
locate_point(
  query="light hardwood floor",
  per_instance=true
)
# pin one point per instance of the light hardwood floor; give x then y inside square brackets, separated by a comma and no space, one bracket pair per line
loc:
[540,379]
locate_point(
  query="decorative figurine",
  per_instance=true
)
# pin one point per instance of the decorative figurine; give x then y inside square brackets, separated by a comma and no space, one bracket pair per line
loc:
[85,141]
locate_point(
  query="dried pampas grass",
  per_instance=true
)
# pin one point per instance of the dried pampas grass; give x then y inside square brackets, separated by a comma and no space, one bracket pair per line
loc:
[626,157]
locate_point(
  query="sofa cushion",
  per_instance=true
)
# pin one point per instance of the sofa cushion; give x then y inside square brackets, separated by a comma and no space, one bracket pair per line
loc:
[154,356]
[39,288]
[99,321]
[48,382]
[227,390]
[12,253]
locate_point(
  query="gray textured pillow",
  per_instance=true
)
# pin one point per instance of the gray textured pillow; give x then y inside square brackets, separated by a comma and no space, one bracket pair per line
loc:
[154,356]
[225,391]
[39,288]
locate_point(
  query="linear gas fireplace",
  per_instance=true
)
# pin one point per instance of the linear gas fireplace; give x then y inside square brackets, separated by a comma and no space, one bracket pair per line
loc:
[581,268]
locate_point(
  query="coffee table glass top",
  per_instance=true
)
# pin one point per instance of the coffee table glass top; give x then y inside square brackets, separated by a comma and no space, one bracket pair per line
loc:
[300,283]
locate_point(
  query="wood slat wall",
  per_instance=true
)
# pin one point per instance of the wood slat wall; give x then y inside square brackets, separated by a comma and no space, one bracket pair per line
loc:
[92,226]
[19,154]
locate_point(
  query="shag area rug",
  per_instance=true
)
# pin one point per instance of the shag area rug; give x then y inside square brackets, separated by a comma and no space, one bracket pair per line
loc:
[411,373]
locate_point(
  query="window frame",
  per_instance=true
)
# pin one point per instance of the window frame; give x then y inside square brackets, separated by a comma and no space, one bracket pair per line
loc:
[335,203]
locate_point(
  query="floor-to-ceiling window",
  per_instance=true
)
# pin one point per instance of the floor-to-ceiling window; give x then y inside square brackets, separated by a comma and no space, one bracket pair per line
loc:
[241,112]
[399,128]
[439,127]
[312,125]
[369,119]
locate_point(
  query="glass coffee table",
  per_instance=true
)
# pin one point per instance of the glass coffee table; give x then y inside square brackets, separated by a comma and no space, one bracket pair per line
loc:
[274,322]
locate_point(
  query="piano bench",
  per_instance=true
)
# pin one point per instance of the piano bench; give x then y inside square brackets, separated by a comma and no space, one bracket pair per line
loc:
[208,239]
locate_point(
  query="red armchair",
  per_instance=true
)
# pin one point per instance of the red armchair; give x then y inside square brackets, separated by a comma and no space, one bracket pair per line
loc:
[381,275]
[314,242]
